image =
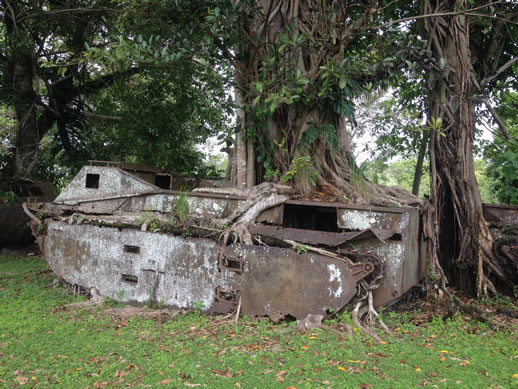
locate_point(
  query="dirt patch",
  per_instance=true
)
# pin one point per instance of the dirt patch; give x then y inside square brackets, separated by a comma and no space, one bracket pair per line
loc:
[502,310]
[130,311]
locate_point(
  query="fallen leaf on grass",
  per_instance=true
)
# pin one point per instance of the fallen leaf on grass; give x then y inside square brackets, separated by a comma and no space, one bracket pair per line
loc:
[191,385]
[21,380]
[222,373]
[279,377]
[165,382]
[18,372]
[515,375]
[365,386]
[121,373]
[132,366]
[341,368]
[163,348]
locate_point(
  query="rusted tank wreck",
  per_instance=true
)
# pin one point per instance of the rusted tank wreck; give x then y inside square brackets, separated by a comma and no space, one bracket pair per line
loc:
[122,229]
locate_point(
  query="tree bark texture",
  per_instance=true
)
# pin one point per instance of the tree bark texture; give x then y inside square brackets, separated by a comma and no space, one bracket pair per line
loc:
[240,155]
[25,99]
[418,174]
[284,128]
[464,244]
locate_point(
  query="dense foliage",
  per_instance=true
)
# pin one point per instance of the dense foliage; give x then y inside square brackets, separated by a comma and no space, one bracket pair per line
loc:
[109,80]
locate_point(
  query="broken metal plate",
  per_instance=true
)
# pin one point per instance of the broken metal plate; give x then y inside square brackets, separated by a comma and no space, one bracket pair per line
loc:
[501,214]
[277,282]
[132,265]
[331,239]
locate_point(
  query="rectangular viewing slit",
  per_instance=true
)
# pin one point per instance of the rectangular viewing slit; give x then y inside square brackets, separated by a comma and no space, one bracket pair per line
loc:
[131,249]
[226,295]
[92,181]
[130,279]
[232,264]
[163,181]
[310,218]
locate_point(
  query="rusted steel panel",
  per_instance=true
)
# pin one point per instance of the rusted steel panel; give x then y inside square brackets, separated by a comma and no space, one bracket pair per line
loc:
[346,206]
[276,282]
[501,214]
[331,239]
[126,166]
[153,202]
[358,219]
[132,265]
[405,266]
[94,182]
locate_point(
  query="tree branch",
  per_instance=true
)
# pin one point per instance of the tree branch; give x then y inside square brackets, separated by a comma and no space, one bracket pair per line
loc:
[443,14]
[68,10]
[107,118]
[502,69]
[498,120]
[106,80]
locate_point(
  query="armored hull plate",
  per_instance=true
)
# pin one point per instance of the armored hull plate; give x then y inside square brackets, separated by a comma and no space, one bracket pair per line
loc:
[130,265]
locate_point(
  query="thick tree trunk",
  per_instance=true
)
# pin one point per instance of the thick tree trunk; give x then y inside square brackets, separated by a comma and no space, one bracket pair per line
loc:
[418,174]
[295,108]
[464,241]
[240,155]
[283,130]
[25,99]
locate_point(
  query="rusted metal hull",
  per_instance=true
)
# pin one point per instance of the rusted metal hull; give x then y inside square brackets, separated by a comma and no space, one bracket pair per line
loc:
[132,265]
[504,228]
[128,264]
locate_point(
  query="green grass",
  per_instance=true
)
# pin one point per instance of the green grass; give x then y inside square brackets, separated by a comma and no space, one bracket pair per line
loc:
[43,345]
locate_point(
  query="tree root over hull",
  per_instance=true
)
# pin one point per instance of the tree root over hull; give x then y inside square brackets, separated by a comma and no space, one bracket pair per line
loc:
[260,198]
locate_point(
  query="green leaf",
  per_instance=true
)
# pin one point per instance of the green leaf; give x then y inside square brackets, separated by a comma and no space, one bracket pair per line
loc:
[343,81]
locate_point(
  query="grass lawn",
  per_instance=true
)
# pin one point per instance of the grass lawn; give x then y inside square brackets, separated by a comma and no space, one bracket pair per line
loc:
[43,345]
